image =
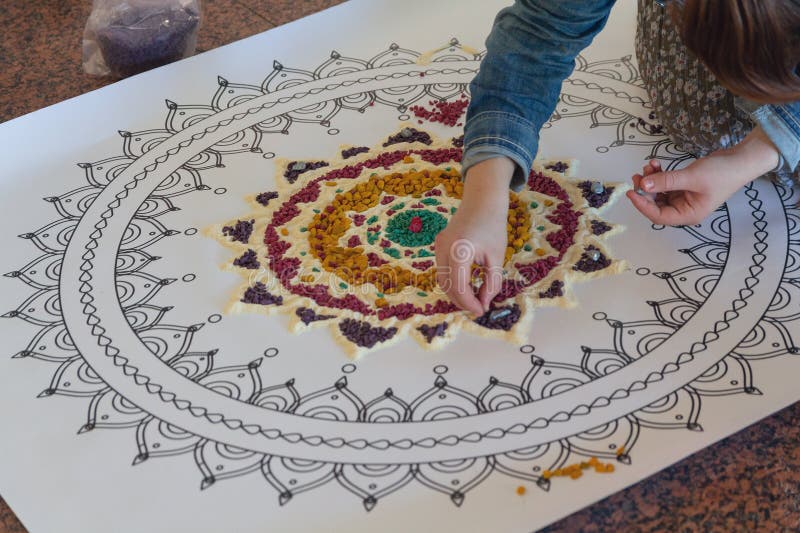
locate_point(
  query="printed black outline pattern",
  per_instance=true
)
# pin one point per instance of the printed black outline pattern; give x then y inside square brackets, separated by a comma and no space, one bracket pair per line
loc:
[74,377]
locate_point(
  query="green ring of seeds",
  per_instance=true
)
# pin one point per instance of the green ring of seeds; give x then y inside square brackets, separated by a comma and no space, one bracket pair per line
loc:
[397,229]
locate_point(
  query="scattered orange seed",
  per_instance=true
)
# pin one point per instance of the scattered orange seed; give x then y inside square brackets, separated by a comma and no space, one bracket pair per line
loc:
[548,203]
[540,252]
[330,183]
[520,490]
[620,451]
[307,278]
[284,232]
[408,159]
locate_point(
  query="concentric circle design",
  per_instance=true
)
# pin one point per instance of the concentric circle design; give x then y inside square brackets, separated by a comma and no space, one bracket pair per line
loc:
[349,243]
[94,302]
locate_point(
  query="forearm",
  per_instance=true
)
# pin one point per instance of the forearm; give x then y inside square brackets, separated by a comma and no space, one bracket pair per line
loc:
[486,186]
[531,49]
[753,157]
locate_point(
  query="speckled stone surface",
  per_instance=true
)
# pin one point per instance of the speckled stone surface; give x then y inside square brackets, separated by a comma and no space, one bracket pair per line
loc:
[748,482]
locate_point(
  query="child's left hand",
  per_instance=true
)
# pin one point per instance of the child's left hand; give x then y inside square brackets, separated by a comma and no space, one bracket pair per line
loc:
[689,195]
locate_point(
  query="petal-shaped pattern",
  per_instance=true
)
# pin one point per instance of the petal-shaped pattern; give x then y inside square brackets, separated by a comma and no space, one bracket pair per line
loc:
[156,438]
[768,338]
[54,237]
[455,478]
[386,408]
[103,172]
[281,397]
[110,410]
[74,377]
[138,288]
[372,482]
[443,401]
[139,143]
[693,283]
[182,181]
[337,65]
[240,382]
[231,94]
[674,312]
[42,308]
[141,233]
[528,464]
[731,375]
[549,379]
[332,403]
[637,339]
[167,341]
[679,410]
[610,441]
[193,365]
[130,261]
[598,362]
[51,343]
[293,476]
[499,395]
[219,461]
[41,273]
[74,203]
[181,117]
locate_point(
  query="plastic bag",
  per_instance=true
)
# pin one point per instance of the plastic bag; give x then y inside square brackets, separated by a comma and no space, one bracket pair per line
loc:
[125,37]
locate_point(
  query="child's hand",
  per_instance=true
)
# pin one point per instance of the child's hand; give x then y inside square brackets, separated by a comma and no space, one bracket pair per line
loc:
[476,234]
[689,195]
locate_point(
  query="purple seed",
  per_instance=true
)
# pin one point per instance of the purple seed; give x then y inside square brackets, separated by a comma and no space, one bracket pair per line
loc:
[240,231]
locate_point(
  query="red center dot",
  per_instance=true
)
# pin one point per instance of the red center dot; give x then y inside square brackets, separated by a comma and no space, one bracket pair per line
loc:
[415,226]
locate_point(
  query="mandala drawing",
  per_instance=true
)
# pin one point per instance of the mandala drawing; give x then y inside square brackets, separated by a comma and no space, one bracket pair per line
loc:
[346,242]
[351,242]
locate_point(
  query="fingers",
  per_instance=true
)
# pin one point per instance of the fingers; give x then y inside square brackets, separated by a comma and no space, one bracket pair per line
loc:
[658,213]
[671,180]
[458,286]
[492,284]
[652,166]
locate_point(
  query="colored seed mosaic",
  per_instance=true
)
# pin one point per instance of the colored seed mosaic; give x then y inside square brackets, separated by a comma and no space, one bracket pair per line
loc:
[356,237]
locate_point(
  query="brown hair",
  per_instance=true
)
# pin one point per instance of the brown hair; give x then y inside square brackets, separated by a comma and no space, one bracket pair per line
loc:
[751,46]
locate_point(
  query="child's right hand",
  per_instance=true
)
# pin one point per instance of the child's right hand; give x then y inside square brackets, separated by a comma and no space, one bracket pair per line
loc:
[476,234]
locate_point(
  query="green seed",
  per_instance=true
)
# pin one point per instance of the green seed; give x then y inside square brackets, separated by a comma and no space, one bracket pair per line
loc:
[316,210]
[422,294]
[540,228]
[339,190]
[534,205]
[315,269]
[303,230]
[379,294]
[302,253]
[452,210]
[430,201]
[373,219]
[343,285]
[528,247]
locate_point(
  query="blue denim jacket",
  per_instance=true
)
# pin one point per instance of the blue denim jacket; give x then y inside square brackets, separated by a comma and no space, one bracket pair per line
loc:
[530,51]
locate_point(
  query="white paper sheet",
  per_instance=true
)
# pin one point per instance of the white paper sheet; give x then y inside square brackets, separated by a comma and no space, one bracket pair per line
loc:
[123,344]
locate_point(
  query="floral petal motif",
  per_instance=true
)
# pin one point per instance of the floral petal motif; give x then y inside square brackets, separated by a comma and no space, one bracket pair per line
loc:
[293,476]
[219,461]
[156,438]
[550,379]
[681,410]
[110,410]
[373,482]
[455,478]
[387,408]
[443,401]
[530,463]
[332,403]
[610,441]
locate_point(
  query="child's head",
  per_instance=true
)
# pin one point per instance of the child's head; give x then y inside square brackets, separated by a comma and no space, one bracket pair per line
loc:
[751,46]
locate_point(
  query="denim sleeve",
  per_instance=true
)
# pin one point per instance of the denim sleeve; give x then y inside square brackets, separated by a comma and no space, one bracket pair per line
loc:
[781,123]
[530,51]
